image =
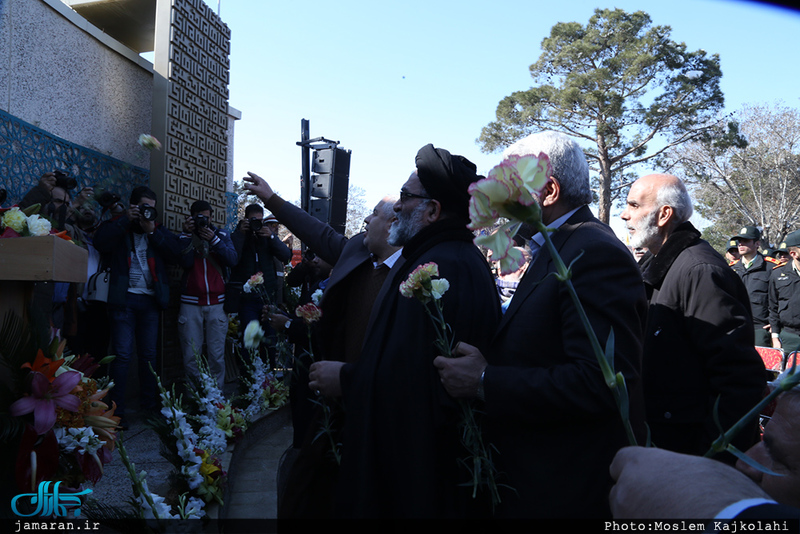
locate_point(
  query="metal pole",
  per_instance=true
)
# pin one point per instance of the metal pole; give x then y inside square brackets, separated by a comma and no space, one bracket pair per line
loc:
[305,187]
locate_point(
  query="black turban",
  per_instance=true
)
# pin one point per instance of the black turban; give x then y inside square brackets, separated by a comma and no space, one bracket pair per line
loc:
[446,178]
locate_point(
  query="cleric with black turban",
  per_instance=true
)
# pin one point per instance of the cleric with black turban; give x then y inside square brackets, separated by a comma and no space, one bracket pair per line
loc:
[446,178]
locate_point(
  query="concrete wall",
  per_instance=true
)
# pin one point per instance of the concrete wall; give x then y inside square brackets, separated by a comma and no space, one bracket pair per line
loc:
[65,76]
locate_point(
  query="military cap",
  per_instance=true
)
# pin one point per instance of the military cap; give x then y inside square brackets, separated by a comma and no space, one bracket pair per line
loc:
[791,240]
[732,244]
[748,232]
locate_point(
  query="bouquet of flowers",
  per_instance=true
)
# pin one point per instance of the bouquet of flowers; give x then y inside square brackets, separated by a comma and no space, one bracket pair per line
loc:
[192,452]
[219,421]
[68,431]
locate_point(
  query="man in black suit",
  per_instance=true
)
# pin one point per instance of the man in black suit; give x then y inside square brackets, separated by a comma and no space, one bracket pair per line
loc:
[553,420]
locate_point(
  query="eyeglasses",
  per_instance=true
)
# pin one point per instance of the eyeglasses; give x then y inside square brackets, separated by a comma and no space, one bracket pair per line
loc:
[405,195]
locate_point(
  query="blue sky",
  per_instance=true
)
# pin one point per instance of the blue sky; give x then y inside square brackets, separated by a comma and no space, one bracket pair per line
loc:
[385,78]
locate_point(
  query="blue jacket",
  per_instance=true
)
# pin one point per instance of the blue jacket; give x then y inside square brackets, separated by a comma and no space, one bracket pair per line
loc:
[114,240]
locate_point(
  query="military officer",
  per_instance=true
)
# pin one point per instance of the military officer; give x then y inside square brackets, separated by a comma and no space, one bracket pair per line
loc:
[732,254]
[784,297]
[755,269]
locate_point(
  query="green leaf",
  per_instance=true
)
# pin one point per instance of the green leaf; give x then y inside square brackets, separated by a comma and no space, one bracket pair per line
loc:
[749,461]
[609,353]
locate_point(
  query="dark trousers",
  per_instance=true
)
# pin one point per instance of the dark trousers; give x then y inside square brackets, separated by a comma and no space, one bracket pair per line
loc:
[135,325]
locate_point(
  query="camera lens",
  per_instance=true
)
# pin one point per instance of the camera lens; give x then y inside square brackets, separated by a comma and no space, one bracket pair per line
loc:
[256,224]
[148,213]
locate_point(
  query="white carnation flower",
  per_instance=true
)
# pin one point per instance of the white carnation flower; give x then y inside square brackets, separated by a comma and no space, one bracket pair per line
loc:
[439,287]
[253,335]
[38,226]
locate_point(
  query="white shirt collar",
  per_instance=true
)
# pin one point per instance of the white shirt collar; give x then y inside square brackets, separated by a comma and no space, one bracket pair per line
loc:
[539,238]
[390,261]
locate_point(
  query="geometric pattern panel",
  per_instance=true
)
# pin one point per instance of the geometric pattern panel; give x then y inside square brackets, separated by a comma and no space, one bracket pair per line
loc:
[27,152]
[196,148]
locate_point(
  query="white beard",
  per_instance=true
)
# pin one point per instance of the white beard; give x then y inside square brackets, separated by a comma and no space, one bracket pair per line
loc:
[646,232]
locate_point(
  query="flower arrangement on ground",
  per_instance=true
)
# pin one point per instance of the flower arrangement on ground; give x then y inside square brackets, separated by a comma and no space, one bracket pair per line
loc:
[193,453]
[421,285]
[262,389]
[220,422]
[67,433]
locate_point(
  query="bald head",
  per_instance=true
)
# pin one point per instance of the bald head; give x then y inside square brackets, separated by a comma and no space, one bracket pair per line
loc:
[656,205]
[378,223]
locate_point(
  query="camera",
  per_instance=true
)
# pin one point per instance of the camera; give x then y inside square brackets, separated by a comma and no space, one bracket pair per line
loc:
[148,212]
[256,224]
[65,182]
[107,199]
[200,221]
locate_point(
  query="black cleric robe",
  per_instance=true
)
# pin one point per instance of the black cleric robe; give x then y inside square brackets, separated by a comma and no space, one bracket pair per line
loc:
[401,446]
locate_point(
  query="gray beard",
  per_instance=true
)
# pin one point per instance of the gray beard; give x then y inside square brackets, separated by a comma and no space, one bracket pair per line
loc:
[406,226]
[646,231]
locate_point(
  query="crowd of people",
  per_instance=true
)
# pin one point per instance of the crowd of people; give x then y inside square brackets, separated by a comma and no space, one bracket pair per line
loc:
[134,253]
[683,323]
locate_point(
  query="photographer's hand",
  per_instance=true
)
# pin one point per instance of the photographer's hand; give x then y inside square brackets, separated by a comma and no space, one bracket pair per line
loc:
[48,181]
[133,213]
[244,226]
[188,224]
[85,194]
[148,226]
[206,233]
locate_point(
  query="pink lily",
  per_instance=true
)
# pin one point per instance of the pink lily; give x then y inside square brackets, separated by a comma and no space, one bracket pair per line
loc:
[44,398]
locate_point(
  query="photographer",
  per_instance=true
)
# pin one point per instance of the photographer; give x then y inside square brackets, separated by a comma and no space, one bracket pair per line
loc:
[206,255]
[256,247]
[137,250]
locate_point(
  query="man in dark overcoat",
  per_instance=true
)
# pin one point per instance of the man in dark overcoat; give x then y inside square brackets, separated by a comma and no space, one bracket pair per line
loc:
[699,346]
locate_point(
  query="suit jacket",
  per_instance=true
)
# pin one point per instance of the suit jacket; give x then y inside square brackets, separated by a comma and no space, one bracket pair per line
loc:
[553,420]
[345,255]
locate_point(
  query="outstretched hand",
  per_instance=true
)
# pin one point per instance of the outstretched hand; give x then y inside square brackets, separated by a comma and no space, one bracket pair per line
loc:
[258,186]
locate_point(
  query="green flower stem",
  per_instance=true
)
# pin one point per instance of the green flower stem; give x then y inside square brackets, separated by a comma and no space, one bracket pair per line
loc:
[721,443]
[615,382]
[327,413]
[472,436]
[138,488]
